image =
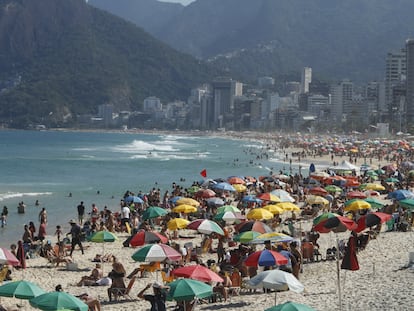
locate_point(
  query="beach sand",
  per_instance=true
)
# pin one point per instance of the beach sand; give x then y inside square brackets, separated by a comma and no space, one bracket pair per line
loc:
[382,283]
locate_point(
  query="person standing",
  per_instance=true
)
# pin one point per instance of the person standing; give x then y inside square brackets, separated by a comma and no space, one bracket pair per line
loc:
[4,214]
[76,233]
[125,214]
[157,300]
[81,212]
[296,266]
[43,216]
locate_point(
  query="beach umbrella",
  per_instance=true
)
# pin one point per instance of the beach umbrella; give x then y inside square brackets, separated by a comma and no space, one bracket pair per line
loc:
[223,186]
[274,209]
[205,193]
[315,199]
[333,189]
[156,252]
[291,306]
[253,225]
[20,289]
[133,199]
[407,203]
[145,237]
[318,191]
[102,237]
[184,208]
[328,222]
[374,203]
[215,202]
[57,301]
[277,280]
[372,186]
[371,193]
[372,219]
[205,226]
[229,217]
[273,237]
[6,257]
[193,189]
[357,205]
[197,272]
[188,289]
[267,196]
[259,213]
[174,200]
[283,195]
[334,180]
[246,237]
[228,208]
[266,258]
[392,180]
[177,223]
[288,206]
[239,188]
[356,195]
[401,195]
[154,212]
[251,199]
[234,180]
[188,201]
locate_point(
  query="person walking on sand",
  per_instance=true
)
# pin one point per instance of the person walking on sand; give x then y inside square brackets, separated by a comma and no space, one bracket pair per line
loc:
[81,212]
[75,232]
[43,216]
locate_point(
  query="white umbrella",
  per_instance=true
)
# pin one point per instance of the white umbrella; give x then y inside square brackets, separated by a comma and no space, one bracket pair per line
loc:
[277,280]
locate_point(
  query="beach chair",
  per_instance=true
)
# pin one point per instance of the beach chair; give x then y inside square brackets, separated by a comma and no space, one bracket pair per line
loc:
[152,267]
[236,283]
[165,278]
[123,292]
[3,272]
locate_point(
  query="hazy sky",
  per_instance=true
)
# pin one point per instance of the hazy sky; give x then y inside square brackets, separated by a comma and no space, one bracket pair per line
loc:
[185,2]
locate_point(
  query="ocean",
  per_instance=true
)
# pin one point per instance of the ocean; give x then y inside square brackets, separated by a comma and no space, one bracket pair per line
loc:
[60,169]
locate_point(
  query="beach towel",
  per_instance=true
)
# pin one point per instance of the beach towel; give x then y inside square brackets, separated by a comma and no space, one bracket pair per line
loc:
[350,260]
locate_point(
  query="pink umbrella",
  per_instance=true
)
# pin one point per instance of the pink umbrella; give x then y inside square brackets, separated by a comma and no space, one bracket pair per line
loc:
[145,237]
[197,272]
[6,257]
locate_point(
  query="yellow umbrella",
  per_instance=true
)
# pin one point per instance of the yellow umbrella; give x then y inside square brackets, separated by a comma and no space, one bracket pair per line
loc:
[177,223]
[357,205]
[259,213]
[273,237]
[288,206]
[239,187]
[274,209]
[373,186]
[315,199]
[188,201]
[184,208]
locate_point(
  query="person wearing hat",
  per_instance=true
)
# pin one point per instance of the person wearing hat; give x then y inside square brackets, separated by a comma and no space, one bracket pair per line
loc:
[75,232]
[157,300]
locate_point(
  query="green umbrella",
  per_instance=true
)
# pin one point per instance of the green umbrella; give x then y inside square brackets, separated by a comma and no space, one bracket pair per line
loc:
[392,180]
[246,237]
[57,301]
[154,212]
[407,203]
[228,208]
[193,189]
[333,189]
[20,289]
[291,306]
[103,236]
[374,203]
[188,289]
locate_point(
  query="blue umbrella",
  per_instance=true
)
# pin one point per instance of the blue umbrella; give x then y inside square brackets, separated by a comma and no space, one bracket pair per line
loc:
[134,199]
[174,200]
[215,202]
[224,187]
[251,199]
[401,195]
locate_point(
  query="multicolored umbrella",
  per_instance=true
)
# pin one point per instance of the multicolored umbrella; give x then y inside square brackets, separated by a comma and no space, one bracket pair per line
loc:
[188,289]
[266,258]
[246,237]
[283,195]
[156,252]
[184,208]
[102,237]
[291,306]
[273,237]
[146,237]
[259,213]
[20,289]
[252,225]
[229,217]
[205,226]
[154,212]
[372,219]
[333,222]
[58,300]
[6,257]
[197,272]
[267,196]
[177,223]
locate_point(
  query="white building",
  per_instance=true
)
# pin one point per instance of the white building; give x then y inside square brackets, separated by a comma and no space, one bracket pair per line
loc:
[152,104]
[305,80]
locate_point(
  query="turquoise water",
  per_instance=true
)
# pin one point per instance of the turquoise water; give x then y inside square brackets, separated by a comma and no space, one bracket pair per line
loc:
[48,165]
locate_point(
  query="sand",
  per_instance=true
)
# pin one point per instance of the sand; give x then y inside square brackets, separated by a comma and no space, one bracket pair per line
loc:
[383,282]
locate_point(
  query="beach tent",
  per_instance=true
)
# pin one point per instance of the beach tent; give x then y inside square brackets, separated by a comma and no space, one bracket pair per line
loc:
[344,166]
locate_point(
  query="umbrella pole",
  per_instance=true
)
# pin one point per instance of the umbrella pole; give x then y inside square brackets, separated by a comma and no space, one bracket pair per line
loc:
[338,269]
[275,295]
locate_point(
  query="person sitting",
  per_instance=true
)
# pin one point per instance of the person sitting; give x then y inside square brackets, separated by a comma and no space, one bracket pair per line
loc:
[54,256]
[223,287]
[117,275]
[90,280]
[93,304]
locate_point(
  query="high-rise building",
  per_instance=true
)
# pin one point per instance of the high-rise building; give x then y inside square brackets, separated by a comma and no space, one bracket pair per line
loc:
[409,46]
[395,75]
[305,80]
[341,98]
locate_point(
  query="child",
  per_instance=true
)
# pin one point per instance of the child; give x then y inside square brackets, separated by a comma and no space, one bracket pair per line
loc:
[58,232]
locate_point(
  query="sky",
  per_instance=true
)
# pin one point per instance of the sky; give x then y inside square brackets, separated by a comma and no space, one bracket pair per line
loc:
[184,2]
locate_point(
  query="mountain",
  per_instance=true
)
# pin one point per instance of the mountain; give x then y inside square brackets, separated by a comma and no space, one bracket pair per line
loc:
[61,58]
[338,39]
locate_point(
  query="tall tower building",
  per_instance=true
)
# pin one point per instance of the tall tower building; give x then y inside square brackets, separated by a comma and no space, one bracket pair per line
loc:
[305,80]
[341,95]
[409,46]
[395,75]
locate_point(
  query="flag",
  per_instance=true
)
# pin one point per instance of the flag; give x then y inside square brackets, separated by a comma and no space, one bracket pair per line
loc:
[203,173]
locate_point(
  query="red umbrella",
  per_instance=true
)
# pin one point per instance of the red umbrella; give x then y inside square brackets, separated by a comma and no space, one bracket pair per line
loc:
[252,225]
[265,258]
[335,224]
[205,193]
[235,180]
[6,257]
[267,196]
[318,191]
[145,237]
[372,219]
[356,195]
[197,272]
